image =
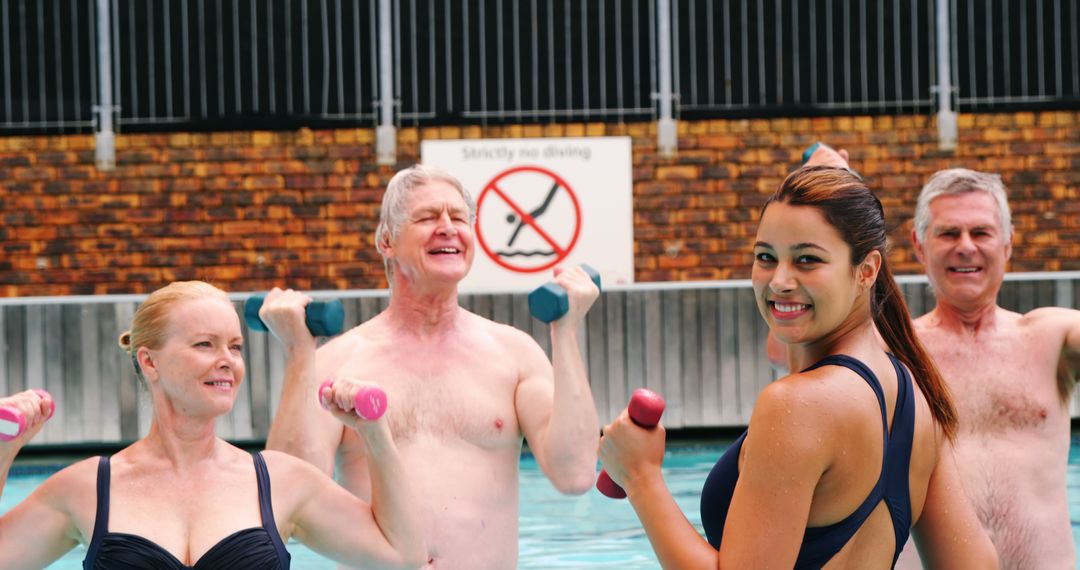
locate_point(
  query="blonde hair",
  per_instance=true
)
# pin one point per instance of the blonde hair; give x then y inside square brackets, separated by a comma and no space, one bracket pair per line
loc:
[151,321]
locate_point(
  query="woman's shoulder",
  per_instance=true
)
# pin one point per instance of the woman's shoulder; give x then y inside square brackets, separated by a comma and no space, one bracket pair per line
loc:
[290,469]
[84,470]
[794,424]
[293,484]
[822,402]
[801,400]
[811,391]
[280,460]
[74,482]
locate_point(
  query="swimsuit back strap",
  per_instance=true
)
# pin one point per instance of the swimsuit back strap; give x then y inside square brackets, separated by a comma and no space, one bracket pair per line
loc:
[901,441]
[820,544]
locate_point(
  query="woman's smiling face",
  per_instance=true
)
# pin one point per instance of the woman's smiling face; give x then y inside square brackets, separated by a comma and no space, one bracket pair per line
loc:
[200,366]
[804,283]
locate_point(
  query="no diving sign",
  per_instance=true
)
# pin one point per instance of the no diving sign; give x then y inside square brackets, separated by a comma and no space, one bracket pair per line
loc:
[528,219]
[543,203]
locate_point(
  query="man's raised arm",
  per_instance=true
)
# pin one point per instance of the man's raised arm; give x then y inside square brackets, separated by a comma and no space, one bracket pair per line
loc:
[554,402]
[300,427]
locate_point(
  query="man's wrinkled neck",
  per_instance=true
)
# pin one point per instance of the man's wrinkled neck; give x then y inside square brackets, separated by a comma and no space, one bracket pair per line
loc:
[423,310]
[971,319]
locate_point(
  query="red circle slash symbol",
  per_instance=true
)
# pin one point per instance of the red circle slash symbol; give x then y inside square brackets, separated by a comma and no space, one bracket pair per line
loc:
[510,187]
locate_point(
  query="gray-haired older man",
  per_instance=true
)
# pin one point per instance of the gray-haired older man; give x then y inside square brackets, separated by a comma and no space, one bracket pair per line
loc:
[462,390]
[1011,375]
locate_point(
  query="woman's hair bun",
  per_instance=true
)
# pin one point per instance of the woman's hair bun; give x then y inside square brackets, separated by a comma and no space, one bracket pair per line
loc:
[125,341]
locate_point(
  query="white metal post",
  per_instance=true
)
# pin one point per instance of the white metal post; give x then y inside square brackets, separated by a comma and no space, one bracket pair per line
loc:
[667,140]
[947,134]
[386,134]
[104,140]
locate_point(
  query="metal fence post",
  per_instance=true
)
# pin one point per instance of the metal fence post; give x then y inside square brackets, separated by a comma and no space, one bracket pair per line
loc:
[104,140]
[667,140]
[946,117]
[1063,293]
[386,134]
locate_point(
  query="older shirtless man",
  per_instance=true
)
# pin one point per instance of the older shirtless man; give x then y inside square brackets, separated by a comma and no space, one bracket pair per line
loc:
[462,390]
[1011,375]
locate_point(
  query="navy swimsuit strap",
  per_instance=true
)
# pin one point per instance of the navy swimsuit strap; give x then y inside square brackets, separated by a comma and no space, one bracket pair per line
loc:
[820,544]
[101,518]
[897,485]
[266,507]
[893,483]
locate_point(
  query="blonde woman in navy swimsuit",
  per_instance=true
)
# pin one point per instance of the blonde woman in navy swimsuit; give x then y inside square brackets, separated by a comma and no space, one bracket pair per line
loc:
[183,498]
[843,459]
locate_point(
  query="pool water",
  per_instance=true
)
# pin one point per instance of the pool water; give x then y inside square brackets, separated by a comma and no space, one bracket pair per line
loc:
[557,531]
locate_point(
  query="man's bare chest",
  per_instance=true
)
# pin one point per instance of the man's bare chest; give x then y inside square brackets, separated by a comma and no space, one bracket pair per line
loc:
[444,396]
[1004,382]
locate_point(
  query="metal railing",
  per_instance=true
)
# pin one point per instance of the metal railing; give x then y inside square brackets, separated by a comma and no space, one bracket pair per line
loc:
[1016,52]
[540,59]
[48,67]
[824,55]
[212,64]
[191,60]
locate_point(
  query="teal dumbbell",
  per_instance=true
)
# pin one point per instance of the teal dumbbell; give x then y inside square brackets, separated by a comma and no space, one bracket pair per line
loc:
[810,150]
[549,302]
[323,318]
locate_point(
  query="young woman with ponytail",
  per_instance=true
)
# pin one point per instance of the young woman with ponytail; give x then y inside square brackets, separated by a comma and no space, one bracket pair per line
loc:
[844,458]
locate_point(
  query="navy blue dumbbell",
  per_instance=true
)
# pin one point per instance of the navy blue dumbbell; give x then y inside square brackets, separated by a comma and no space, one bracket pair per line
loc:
[549,302]
[323,318]
[810,150]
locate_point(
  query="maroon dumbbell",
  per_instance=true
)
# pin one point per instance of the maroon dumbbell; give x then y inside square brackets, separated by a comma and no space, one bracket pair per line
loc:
[645,409]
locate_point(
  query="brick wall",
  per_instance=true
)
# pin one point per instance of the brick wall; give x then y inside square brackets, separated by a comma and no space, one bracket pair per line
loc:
[247,210]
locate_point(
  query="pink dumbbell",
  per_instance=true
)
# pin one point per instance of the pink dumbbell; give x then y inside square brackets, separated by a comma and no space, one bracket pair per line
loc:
[370,402]
[645,409]
[13,422]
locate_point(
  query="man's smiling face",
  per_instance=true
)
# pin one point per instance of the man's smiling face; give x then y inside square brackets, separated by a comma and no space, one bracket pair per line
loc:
[436,241]
[965,249]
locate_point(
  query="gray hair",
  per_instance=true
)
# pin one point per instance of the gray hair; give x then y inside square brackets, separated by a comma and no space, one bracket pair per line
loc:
[958,181]
[394,209]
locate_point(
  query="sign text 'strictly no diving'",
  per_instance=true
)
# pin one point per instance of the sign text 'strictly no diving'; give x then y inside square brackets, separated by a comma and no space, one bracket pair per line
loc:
[510,154]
